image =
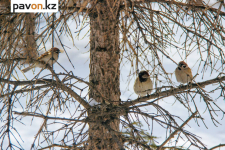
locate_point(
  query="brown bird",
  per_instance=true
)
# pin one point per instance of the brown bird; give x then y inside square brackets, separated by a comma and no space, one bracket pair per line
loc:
[49,57]
[183,73]
[143,84]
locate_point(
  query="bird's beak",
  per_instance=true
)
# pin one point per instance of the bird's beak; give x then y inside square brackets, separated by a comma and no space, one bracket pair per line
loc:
[61,51]
[145,76]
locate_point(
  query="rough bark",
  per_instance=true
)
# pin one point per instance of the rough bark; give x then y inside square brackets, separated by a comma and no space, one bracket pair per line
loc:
[104,74]
[29,46]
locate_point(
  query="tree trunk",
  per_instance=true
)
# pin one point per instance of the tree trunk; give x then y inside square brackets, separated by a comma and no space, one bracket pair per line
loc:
[104,75]
[29,45]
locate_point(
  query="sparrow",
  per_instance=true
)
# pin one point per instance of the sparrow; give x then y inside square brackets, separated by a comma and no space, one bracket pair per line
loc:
[143,84]
[49,57]
[183,73]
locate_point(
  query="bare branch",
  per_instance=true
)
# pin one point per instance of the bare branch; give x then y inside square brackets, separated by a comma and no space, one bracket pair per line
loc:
[173,91]
[217,146]
[177,130]
[47,117]
[53,83]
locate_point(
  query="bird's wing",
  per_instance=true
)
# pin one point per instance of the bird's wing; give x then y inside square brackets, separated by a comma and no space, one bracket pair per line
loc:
[188,72]
[43,55]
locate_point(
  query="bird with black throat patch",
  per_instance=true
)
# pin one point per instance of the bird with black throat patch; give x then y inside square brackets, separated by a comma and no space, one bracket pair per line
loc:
[143,84]
[49,57]
[183,73]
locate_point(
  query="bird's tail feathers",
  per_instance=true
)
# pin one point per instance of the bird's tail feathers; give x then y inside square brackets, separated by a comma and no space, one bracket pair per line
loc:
[27,69]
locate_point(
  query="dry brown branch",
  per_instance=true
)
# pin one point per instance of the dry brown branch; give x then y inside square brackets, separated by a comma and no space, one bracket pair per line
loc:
[200,6]
[61,146]
[191,137]
[52,83]
[217,146]
[177,130]
[174,91]
[47,117]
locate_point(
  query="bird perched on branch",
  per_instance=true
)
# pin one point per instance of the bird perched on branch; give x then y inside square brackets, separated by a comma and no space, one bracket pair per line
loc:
[49,57]
[143,84]
[183,73]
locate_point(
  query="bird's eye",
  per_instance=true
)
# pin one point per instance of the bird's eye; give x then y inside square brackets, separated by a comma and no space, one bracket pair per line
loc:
[184,66]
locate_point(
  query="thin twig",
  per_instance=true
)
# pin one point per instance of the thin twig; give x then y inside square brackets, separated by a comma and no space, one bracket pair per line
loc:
[175,132]
[46,117]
